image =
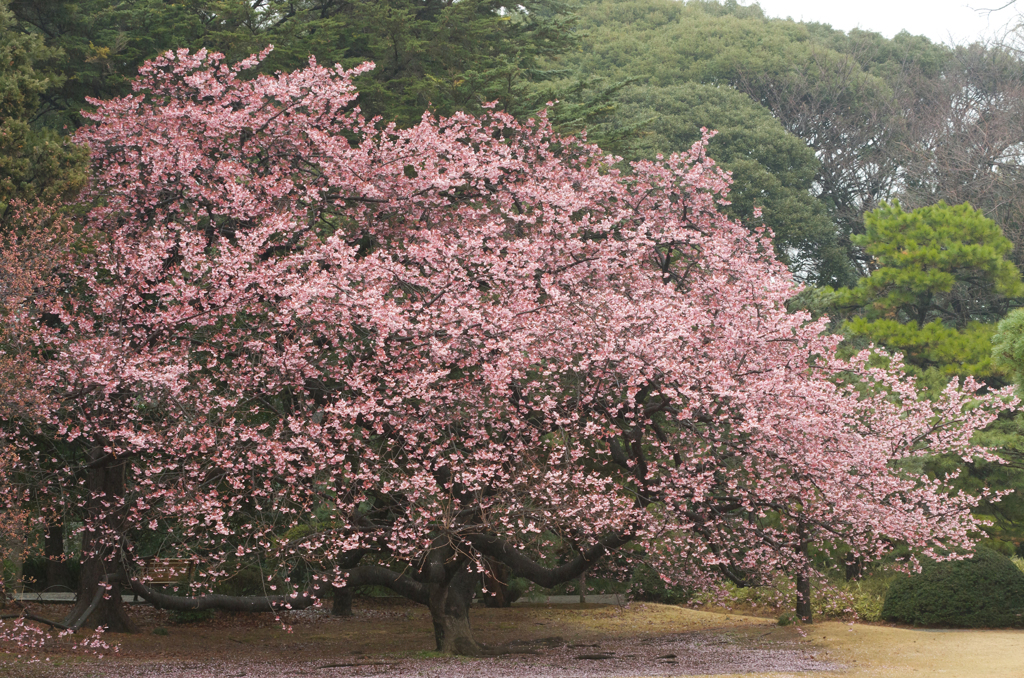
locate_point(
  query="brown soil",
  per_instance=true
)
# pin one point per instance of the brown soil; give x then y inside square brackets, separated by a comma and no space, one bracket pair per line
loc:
[394,638]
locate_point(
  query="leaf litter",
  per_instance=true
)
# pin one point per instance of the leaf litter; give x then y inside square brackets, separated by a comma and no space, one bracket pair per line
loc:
[394,638]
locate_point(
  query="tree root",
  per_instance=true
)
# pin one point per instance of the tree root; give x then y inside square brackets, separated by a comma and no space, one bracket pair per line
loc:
[36,618]
[74,624]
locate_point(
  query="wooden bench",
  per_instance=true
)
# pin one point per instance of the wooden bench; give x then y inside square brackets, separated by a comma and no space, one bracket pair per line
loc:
[165,571]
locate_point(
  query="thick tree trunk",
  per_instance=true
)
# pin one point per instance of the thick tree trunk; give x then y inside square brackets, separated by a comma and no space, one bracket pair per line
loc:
[102,552]
[453,635]
[854,567]
[496,576]
[342,597]
[110,612]
[449,611]
[803,586]
[53,548]
[342,602]
[803,598]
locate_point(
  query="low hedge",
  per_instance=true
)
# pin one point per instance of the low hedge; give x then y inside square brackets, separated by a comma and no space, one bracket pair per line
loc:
[986,591]
[646,585]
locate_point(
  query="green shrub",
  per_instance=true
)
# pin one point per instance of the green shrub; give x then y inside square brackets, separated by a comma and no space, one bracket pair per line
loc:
[647,586]
[828,600]
[1007,548]
[189,616]
[778,596]
[246,581]
[33,573]
[788,618]
[983,592]
[869,593]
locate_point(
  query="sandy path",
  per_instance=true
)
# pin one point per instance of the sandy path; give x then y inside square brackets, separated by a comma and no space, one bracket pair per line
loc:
[877,651]
[885,651]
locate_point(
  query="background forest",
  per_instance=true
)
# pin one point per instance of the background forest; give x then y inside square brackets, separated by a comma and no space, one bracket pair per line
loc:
[888,170]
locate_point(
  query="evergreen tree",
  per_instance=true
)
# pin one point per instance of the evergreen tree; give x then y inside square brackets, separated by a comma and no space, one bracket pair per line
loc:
[429,54]
[35,162]
[940,283]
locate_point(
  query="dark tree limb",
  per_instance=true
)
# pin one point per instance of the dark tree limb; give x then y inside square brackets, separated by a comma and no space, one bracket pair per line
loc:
[36,618]
[365,575]
[523,566]
[77,623]
[216,601]
[403,585]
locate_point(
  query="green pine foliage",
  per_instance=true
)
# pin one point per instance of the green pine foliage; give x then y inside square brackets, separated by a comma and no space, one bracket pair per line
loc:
[941,280]
[1007,436]
[986,591]
[36,163]
[1004,437]
[1008,346]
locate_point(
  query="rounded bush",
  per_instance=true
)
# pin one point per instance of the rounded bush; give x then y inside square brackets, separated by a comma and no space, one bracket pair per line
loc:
[986,591]
[247,581]
[647,586]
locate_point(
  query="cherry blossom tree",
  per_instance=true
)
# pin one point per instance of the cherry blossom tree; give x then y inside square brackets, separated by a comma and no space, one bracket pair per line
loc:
[35,249]
[367,355]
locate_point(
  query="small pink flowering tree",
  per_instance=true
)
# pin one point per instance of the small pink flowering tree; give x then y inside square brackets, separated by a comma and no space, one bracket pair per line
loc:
[35,249]
[384,356]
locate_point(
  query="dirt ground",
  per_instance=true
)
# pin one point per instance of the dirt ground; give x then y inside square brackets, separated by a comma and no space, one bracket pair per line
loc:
[870,650]
[394,638]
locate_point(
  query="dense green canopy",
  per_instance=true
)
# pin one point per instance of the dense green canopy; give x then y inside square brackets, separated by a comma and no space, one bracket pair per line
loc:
[806,76]
[817,125]
[887,119]
[430,54]
[35,162]
[772,169]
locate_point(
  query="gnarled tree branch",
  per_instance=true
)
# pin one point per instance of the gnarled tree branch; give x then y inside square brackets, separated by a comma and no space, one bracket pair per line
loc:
[523,566]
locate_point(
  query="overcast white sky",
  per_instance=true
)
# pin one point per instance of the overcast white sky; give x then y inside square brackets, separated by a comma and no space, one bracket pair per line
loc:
[941,20]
